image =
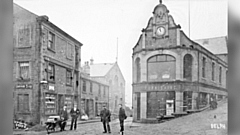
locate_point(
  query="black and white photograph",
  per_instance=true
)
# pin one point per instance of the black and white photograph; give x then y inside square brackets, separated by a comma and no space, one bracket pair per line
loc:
[120,67]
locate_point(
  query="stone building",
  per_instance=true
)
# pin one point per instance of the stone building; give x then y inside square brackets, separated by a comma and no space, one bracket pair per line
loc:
[216,45]
[110,74]
[94,94]
[171,73]
[46,67]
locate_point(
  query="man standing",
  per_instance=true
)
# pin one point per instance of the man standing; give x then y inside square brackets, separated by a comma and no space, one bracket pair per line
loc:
[74,114]
[122,116]
[64,118]
[105,119]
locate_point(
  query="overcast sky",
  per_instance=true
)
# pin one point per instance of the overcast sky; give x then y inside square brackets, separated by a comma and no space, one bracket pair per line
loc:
[98,23]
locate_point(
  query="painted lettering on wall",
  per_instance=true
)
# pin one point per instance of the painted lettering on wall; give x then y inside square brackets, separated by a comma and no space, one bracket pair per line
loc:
[24,86]
[24,36]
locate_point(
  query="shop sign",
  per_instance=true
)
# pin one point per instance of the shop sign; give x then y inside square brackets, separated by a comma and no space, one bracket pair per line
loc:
[51,87]
[158,87]
[163,87]
[24,86]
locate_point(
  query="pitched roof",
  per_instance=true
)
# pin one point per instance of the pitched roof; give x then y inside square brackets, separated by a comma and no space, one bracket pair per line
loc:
[100,69]
[217,45]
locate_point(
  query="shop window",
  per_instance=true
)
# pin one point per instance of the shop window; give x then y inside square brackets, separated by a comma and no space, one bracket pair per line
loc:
[83,105]
[51,41]
[84,86]
[161,68]
[50,103]
[157,103]
[69,77]
[51,72]
[23,102]
[187,70]
[68,102]
[213,71]
[24,70]
[203,67]
[138,67]
[202,100]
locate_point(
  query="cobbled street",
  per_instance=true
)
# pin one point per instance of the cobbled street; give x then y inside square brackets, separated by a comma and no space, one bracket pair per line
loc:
[194,124]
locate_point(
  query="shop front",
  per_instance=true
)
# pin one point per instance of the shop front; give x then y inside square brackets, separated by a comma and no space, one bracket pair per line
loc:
[155,99]
[50,100]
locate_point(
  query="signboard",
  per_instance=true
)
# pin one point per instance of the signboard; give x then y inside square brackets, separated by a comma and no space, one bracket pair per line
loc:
[24,86]
[158,87]
[51,88]
[164,87]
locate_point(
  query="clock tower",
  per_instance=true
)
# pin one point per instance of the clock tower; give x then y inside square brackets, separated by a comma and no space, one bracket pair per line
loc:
[160,21]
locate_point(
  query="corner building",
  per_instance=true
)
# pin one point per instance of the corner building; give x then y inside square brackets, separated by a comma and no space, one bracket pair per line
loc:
[171,73]
[46,67]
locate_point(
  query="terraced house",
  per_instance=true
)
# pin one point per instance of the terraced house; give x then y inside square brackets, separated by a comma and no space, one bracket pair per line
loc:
[46,67]
[173,74]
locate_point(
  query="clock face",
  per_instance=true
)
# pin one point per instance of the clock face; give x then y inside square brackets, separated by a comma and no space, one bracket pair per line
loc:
[160,31]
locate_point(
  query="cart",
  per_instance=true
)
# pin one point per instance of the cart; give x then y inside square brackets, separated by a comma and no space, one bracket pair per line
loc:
[53,123]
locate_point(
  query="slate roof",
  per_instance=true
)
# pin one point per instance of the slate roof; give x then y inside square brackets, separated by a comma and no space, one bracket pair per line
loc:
[100,69]
[217,45]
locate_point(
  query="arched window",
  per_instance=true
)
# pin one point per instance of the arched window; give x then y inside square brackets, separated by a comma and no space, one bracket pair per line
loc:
[187,67]
[116,83]
[161,68]
[138,69]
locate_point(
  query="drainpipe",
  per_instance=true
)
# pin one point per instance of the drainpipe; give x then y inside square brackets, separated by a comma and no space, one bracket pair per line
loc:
[198,84]
[39,111]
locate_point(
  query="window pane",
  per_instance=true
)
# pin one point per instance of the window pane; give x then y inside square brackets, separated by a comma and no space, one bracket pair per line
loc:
[170,58]
[161,71]
[26,102]
[161,58]
[153,59]
[24,70]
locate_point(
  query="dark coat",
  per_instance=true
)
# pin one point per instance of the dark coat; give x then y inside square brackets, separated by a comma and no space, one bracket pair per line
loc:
[122,115]
[105,115]
[74,114]
[64,114]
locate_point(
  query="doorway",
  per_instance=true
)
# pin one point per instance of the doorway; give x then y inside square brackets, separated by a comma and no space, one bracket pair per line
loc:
[138,105]
[187,100]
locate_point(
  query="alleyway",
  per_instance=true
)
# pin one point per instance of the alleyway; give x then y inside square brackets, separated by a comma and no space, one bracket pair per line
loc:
[194,124]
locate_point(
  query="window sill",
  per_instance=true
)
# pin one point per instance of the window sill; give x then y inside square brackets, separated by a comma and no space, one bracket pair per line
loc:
[51,50]
[54,113]
[26,112]
[84,92]
[23,47]
[24,80]
[69,58]
[69,85]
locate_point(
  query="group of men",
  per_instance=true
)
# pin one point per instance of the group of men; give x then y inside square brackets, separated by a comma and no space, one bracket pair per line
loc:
[74,112]
[106,118]
[105,115]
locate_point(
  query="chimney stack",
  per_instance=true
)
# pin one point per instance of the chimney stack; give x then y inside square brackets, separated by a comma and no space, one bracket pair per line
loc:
[91,61]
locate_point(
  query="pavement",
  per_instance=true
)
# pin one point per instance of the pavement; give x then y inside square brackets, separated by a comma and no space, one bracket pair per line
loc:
[207,122]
